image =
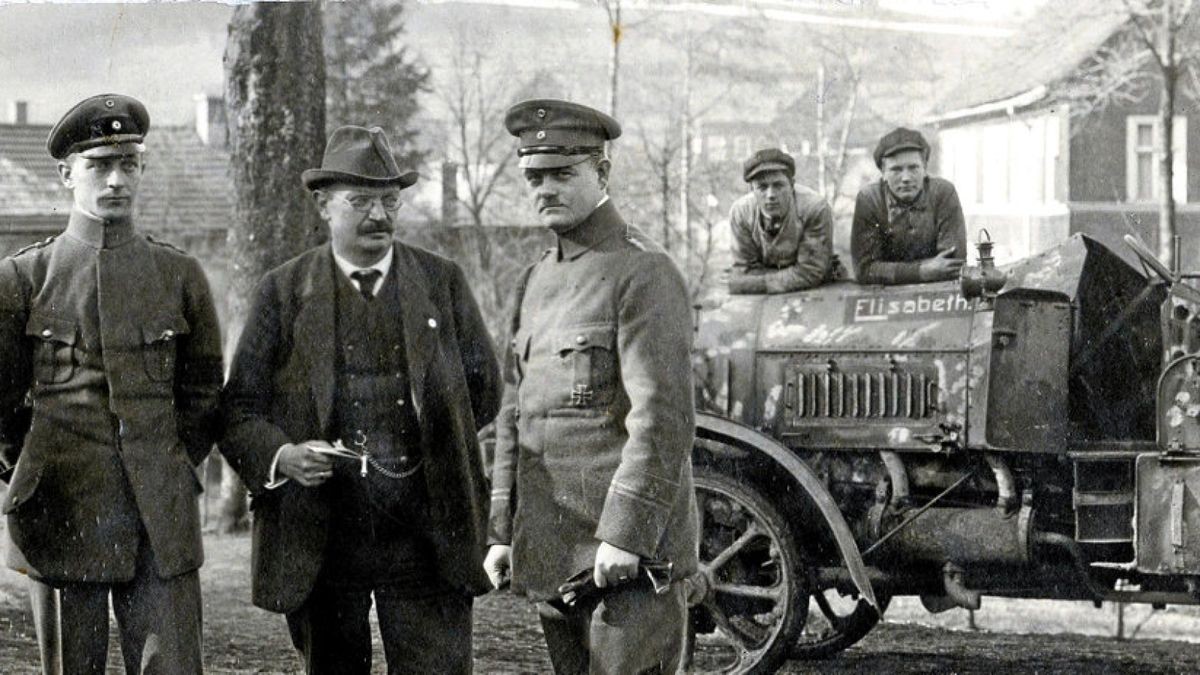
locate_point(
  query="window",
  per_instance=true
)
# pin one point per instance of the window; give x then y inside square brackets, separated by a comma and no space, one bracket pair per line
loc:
[716,148]
[1141,158]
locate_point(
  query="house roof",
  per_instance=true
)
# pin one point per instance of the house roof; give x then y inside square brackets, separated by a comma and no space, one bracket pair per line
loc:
[1046,50]
[186,184]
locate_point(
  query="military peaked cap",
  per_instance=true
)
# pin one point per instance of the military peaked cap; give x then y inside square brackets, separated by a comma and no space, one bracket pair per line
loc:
[99,124]
[768,159]
[900,139]
[556,133]
[358,156]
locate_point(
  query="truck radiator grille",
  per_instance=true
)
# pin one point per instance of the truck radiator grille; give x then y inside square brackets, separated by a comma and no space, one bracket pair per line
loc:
[862,395]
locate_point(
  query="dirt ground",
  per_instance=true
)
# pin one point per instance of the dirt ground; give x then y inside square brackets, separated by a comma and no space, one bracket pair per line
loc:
[239,638]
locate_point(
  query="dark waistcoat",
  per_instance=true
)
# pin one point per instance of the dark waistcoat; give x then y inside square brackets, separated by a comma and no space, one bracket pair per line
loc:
[380,521]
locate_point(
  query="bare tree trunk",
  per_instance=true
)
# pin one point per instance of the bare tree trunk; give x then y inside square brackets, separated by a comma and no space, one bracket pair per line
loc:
[685,154]
[275,91]
[1166,114]
[614,64]
[821,130]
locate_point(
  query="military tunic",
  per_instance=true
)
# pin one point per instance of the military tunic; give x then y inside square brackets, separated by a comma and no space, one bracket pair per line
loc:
[113,338]
[594,439]
[890,239]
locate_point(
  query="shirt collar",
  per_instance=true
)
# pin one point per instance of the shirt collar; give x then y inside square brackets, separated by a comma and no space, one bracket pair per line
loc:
[97,232]
[384,265]
[602,223]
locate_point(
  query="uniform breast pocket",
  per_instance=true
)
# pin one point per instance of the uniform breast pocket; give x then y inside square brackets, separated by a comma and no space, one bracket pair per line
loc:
[160,343]
[588,356]
[54,353]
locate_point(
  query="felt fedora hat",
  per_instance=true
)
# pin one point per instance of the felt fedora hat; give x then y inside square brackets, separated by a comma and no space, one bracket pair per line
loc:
[358,156]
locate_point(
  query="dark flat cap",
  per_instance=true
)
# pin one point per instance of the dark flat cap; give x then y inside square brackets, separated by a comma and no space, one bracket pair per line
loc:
[98,125]
[768,159]
[556,133]
[899,139]
[358,156]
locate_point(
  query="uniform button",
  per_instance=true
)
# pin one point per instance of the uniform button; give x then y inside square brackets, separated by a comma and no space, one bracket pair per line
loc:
[357,404]
[580,339]
[168,333]
[400,402]
[349,348]
[404,459]
[395,348]
[47,332]
[433,323]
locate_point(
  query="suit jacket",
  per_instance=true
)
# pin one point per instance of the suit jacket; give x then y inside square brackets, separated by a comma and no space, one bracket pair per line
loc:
[281,390]
[113,338]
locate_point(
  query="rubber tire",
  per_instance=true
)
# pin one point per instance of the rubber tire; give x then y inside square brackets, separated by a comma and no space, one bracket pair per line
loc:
[793,618]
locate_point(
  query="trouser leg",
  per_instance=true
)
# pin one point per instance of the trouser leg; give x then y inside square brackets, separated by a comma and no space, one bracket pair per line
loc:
[637,631]
[44,601]
[159,620]
[566,639]
[425,635]
[83,627]
[332,632]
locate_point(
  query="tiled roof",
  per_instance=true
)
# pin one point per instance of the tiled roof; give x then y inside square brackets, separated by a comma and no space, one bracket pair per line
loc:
[186,185]
[29,183]
[1049,48]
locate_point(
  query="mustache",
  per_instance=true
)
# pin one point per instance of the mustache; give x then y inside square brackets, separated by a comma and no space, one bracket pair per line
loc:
[373,226]
[546,203]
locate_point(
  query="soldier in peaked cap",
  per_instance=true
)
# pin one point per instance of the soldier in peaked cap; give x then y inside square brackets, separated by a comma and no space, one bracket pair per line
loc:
[908,226]
[113,338]
[380,348]
[782,232]
[593,451]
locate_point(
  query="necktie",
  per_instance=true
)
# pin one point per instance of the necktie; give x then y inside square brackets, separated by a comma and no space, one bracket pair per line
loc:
[366,282]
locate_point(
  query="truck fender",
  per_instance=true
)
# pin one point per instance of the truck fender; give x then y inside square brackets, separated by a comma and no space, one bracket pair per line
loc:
[714,428]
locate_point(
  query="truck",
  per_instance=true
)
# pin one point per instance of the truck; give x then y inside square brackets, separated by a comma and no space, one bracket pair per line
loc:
[1031,431]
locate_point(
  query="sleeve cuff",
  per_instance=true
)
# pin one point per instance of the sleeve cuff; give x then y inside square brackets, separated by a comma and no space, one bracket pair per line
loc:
[272,481]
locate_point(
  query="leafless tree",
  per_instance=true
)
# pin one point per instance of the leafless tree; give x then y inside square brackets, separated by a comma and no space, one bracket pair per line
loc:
[1154,49]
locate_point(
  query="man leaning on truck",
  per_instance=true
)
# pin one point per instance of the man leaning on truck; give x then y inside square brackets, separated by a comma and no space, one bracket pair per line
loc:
[782,232]
[908,226]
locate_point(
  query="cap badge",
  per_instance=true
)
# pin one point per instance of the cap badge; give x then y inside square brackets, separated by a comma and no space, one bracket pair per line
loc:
[541,112]
[541,135]
[108,103]
[116,125]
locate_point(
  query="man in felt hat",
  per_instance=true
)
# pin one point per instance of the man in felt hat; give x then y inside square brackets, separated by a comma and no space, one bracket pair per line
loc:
[113,339]
[593,451]
[782,232]
[908,226]
[357,387]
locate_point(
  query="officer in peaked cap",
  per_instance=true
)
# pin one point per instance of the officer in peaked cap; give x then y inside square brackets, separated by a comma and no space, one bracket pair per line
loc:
[782,232]
[593,458]
[908,226]
[113,338]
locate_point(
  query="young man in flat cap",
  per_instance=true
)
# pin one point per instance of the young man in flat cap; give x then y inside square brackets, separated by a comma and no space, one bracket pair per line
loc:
[908,226]
[593,465]
[358,385]
[113,338]
[782,232]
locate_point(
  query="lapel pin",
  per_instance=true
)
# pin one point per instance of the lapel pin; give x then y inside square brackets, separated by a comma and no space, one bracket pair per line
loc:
[433,323]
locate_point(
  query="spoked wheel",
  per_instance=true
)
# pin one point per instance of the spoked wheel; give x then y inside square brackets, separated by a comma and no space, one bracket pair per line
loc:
[835,621]
[756,605]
